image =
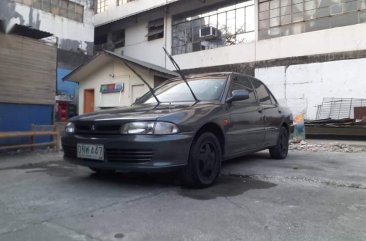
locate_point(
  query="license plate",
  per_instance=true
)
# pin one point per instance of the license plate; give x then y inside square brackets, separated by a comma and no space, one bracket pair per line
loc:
[89,151]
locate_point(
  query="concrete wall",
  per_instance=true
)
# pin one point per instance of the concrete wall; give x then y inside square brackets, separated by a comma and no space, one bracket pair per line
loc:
[115,12]
[138,47]
[348,38]
[72,35]
[113,72]
[302,87]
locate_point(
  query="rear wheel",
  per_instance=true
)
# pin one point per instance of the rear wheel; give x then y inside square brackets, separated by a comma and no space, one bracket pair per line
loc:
[204,162]
[280,150]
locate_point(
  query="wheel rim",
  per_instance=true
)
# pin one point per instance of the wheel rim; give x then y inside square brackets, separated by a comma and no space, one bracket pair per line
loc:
[207,159]
[284,143]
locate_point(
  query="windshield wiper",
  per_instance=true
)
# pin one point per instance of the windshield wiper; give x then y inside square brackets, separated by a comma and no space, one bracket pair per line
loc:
[180,73]
[143,80]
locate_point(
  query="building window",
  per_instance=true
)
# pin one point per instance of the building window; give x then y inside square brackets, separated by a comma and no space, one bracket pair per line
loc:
[102,5]
[225,26]
[155,29]
[286,17]
[122,2]
[109,41]
[63,8]
[118,38]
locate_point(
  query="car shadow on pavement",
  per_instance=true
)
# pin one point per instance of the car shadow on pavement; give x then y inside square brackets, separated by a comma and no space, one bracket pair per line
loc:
[140,179]
[227,185]
[165,178]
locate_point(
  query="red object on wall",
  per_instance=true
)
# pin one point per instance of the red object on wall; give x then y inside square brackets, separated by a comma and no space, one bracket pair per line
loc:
[63,111]
[360,112]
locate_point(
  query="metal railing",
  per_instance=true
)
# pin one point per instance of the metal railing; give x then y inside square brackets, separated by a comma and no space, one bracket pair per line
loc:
[338,108]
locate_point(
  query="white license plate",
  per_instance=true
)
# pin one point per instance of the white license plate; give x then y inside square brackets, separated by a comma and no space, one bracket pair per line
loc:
[90,151]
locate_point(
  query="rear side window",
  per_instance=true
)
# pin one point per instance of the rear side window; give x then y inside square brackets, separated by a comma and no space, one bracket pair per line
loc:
[242,83]
[273,99]
[262,92]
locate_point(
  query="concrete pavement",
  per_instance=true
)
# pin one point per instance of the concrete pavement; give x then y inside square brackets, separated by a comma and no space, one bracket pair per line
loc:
[308,196]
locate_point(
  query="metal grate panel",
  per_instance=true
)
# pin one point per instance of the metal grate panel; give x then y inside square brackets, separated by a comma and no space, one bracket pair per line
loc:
[338,108]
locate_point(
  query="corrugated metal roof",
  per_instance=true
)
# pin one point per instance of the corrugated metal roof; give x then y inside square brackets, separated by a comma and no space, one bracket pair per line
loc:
[143,64]
[28,31]
[73,75]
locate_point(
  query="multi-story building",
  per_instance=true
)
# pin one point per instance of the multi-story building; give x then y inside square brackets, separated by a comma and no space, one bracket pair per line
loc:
[40,42]
[305,50]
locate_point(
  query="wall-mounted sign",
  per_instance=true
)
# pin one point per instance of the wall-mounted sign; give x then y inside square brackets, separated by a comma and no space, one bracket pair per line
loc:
[111,88]
[64,97]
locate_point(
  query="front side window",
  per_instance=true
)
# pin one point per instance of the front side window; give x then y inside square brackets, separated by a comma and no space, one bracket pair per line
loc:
[262,92]
[209,89]
[273,99]
[224,26]
[242,83]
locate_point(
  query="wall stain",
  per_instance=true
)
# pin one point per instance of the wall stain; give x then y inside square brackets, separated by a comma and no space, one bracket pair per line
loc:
[35,23]
[69,44]
[249,67]
[8,12]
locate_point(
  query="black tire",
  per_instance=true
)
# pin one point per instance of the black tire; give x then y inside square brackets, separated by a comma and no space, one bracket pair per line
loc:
[280,150]
[102,172]
[204,162]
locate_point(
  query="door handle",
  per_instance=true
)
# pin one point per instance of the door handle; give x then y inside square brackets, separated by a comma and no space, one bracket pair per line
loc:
[279,111]
[260,110]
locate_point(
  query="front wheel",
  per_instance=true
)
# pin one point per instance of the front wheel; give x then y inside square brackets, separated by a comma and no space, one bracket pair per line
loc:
[280,150]
[204,162]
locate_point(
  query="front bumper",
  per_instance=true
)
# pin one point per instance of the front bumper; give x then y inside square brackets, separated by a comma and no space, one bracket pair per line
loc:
[146,153]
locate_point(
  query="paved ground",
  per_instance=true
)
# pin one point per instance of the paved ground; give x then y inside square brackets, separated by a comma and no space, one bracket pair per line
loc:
[352,143]
[309,196]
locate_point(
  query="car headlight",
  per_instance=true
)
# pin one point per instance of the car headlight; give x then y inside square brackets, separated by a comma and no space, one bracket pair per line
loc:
[70,127]
[149,127]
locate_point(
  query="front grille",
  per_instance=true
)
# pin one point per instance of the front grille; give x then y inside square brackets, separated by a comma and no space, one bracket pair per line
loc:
[129,155]
[97,129]
[69,151]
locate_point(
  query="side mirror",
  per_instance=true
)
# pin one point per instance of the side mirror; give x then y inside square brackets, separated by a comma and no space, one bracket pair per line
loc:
[237,95]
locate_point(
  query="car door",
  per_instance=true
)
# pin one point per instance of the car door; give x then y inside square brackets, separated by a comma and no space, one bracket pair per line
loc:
[272,116]
[246,131]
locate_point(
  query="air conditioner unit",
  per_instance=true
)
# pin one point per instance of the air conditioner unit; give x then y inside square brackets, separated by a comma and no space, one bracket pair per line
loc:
[208,33]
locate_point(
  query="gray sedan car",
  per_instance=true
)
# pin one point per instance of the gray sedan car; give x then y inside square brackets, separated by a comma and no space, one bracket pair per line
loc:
[229,115]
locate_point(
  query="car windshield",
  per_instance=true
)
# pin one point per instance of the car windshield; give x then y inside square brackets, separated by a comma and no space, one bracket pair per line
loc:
[207,89]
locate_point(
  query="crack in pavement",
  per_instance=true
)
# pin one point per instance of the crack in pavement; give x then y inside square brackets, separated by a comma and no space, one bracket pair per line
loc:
[33,165]
[145,197]
[69,232]
[253,216]
[311,180]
